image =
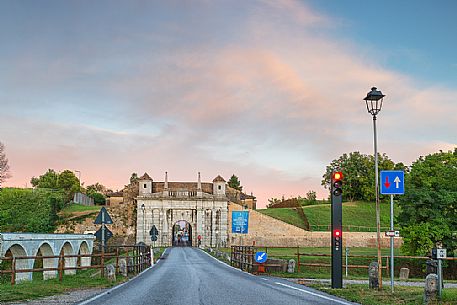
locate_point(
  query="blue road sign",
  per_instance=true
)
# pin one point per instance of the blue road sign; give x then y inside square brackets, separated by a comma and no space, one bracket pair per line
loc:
[240,221]
[261,257]
[392,182]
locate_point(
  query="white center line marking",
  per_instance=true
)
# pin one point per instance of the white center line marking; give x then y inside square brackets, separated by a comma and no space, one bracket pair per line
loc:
[314,294]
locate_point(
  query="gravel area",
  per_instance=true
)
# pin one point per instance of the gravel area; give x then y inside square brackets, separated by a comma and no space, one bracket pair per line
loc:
[69,298]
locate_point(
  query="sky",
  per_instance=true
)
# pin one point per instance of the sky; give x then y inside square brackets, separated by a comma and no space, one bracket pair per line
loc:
[271,91]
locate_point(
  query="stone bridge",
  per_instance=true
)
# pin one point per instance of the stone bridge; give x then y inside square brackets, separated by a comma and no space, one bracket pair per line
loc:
[31,244]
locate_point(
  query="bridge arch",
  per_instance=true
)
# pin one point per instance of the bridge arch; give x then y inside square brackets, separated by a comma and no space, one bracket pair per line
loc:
[84,250]
[67,249]
[45,249]
[16,250]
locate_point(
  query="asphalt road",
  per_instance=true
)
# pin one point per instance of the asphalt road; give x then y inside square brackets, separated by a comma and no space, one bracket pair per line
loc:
[190,276]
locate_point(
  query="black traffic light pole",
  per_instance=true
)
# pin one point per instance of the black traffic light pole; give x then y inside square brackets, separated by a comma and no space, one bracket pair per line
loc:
[337,230]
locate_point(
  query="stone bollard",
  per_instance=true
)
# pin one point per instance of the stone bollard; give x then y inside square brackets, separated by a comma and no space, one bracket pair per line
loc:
[291,266]
[110,272]
[373,279]
[404,274]
[123,266]
[130,264]
[431,288]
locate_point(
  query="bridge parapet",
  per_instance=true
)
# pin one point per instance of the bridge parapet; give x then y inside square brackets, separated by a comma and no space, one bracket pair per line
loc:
[32,244]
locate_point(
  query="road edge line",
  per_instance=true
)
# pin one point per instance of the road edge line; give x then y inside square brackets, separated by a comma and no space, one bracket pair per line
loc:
[118,286]
[316,294]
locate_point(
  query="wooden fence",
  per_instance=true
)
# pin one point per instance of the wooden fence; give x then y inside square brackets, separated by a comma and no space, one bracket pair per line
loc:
[138,258]
[243,257]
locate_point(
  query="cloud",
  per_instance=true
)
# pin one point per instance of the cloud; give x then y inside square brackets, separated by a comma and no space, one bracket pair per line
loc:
[265,96]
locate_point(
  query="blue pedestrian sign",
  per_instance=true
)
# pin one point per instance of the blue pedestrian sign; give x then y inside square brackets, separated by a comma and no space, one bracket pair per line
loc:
[261,257]
[240,220]
[392,182]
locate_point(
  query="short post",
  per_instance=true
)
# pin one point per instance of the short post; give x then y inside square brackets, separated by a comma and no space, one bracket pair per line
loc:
[431,286]
[373,275]
[127,260]
[347,255]
[102,262]
[298,260]
[61,265]
[13,271]
[440,278]
[117,260]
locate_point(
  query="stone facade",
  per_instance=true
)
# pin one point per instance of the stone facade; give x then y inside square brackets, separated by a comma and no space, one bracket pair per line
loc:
[203,206]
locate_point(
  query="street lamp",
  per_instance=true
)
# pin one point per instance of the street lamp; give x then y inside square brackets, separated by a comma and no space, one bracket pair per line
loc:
[374,101]
[79,178]
[144,224]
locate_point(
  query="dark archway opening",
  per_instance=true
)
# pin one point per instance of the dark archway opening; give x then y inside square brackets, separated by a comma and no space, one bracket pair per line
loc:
[182,234]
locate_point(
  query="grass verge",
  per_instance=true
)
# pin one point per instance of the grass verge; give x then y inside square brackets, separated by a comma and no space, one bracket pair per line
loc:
[402,295]
[39,288]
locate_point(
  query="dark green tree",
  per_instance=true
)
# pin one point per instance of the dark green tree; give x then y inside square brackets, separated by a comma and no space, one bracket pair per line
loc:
[428,210]
[358,174]
[133,177]
[235,183]
[66,181]
[99,198]
[47,180]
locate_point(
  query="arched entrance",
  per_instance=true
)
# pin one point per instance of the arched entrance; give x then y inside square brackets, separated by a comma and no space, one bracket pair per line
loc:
[182,234]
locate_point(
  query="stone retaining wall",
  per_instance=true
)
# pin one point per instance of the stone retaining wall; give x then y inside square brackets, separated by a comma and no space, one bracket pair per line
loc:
[268,231]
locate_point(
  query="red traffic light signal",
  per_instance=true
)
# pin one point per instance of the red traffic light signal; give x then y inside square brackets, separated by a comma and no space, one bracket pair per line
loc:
[337,176]
[337,233]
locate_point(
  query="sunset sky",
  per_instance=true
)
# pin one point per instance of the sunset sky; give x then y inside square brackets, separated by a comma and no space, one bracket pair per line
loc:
[271,91]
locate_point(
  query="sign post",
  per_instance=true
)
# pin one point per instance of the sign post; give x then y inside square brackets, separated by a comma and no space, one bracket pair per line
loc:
[153,233]
[261,257]
[392,183]
[103,234]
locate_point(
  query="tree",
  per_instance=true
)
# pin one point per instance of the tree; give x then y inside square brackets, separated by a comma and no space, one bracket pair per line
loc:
[47,180]
[65,181]
[311,196]
[235,183]
[4,167]
[96,188]
[133,178]
[428,210]
[358,174]
[99,198]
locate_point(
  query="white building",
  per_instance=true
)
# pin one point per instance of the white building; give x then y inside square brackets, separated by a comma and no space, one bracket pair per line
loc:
[183,212]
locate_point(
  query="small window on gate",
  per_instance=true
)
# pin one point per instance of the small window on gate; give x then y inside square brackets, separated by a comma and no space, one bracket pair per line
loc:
[220,187]
[144,186]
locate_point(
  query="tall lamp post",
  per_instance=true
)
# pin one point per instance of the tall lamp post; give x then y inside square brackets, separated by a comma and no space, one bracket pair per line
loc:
[144,223]
[79,178]
[374,101]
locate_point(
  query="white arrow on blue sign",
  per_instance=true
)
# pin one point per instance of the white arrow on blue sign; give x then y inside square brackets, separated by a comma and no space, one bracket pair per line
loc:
[392,182]
[261,257]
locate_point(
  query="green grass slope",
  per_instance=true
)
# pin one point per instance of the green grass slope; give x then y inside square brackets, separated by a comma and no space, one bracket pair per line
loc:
[357,216]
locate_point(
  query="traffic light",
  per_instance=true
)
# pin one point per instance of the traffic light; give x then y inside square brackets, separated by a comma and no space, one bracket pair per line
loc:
[337,232]
[337,183]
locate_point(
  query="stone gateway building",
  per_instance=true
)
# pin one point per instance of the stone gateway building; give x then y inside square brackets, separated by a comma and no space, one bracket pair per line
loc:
[184,213]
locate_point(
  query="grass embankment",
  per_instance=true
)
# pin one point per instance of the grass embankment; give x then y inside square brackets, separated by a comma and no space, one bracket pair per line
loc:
[78,212]
[357,216]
